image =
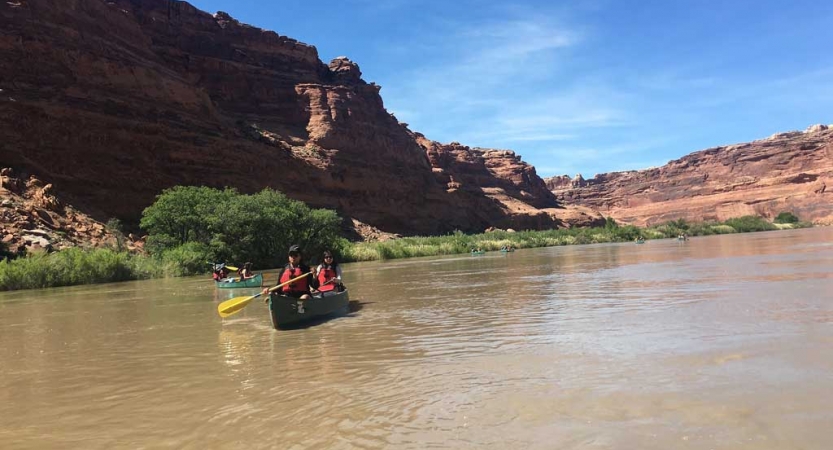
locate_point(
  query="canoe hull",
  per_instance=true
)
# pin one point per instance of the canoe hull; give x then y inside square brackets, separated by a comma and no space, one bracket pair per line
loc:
[255,281]
[285,311]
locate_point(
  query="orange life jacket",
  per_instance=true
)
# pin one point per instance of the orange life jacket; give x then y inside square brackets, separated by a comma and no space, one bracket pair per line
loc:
[326,274]
[289,273]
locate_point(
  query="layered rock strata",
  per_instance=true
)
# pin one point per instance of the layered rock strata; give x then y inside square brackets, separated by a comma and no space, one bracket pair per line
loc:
[114,101]
[786,172]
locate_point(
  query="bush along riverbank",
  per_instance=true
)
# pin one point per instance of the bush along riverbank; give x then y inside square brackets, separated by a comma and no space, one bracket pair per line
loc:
[459,243]
[189,227]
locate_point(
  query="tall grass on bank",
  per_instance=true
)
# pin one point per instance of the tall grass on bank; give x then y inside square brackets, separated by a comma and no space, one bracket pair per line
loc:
[458,243]
[84,266]
[71,267]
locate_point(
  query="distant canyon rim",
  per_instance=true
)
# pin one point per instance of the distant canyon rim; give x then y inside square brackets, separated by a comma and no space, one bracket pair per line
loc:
[157,93]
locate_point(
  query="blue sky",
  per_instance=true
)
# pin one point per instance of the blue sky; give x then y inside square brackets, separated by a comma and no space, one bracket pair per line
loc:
[578,86]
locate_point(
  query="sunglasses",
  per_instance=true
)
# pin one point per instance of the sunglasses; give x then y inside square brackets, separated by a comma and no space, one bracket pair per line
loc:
[294,255]
[328,257]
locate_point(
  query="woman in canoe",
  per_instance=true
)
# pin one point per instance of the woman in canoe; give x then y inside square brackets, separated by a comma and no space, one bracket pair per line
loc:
[245,272]
[328,274]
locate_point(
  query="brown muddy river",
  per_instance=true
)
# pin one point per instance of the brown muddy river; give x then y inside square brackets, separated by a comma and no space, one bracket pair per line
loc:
[721,342]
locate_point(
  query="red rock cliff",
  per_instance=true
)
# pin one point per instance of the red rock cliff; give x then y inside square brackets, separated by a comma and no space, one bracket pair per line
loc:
[786,172]
[112,101]
[502,189]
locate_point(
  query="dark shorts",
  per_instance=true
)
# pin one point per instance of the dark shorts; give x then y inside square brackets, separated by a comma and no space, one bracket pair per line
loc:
[294,294]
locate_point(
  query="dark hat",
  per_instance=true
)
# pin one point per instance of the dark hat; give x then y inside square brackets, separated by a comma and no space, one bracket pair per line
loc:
[294,249]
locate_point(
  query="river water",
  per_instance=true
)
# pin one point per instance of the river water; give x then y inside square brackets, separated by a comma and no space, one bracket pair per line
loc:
[722,342]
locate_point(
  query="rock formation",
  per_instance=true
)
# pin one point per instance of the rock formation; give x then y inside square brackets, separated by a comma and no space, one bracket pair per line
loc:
[113,101]
[505,191]
[785,172]
[32,219]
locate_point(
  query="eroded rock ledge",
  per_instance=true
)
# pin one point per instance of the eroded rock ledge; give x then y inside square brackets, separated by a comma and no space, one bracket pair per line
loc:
[790,171]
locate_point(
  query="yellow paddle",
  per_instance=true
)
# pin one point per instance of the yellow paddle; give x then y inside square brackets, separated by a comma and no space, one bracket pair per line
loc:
[234,305]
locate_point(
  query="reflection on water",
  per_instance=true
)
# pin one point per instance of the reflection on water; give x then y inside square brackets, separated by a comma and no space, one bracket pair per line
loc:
[719,342]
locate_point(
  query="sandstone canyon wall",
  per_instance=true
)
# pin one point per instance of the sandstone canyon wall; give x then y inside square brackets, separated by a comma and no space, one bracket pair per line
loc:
[111,101]
[786,172]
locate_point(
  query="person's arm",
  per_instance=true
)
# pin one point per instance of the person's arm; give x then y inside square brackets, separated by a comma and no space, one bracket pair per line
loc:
[338,272]
[312,280]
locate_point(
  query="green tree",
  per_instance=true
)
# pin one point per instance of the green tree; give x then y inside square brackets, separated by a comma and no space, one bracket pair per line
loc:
[180,215]
[786,217]
[237,228]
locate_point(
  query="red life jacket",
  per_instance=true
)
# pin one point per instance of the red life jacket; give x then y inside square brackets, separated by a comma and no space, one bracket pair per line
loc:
[326,274]
[289,273]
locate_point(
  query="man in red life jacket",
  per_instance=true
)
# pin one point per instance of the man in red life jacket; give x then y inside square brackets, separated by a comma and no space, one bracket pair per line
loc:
[299,289]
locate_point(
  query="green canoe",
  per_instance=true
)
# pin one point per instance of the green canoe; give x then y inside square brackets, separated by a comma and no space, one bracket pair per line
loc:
[231,283]
[288,311]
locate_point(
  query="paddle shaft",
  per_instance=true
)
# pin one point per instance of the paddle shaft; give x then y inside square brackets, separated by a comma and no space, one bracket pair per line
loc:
[227,267]
[234,305]
[290,281]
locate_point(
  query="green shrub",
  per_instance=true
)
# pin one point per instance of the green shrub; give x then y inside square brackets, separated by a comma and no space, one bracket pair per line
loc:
[786,217]
[4,251]
[187,259]
[68,267]
[237,228]
[723,229]
[747,224]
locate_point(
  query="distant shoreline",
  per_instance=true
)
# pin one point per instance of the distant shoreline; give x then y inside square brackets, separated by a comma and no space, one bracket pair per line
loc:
[77,267]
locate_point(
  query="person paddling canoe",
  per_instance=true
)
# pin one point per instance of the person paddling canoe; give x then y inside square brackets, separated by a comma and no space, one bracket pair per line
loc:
[299,289]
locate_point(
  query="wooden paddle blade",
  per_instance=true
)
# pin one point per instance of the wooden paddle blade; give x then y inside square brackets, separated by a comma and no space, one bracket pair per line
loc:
[234,305]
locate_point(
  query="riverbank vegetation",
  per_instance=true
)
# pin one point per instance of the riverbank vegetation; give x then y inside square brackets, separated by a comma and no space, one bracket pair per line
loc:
[195,225]
[612,232]
[191,227]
